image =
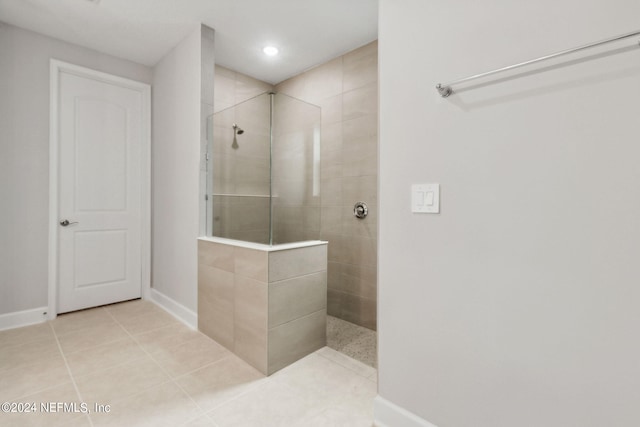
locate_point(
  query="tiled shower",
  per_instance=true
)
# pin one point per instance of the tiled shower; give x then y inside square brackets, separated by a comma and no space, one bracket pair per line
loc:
[346,90]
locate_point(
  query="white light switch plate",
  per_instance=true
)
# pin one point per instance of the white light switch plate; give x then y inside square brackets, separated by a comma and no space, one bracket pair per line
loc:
[425,198]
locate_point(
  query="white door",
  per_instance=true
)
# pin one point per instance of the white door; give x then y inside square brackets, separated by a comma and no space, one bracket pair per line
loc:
[100,139]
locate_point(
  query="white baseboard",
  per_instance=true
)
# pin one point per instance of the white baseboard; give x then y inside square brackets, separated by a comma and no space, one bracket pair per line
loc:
[23,318]
[387,414]
[174,308]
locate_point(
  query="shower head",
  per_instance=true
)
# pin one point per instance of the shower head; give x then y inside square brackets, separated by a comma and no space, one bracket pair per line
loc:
[238,129]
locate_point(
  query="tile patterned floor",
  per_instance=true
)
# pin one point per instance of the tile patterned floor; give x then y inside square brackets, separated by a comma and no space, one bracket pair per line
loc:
[154,371]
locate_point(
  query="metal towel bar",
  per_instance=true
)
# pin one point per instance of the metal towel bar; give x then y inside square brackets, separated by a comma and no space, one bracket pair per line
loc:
[445,89]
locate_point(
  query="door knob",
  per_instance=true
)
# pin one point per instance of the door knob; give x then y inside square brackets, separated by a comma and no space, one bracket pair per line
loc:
[66,222]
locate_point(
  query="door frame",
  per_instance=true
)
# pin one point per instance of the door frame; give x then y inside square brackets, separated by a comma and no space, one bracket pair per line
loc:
[56,68]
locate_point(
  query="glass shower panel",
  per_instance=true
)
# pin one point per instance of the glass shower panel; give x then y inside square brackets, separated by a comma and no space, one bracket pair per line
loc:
[241,171]
[295,170]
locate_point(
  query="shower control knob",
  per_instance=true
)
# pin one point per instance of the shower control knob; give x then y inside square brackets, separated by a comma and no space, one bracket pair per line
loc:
[360,210]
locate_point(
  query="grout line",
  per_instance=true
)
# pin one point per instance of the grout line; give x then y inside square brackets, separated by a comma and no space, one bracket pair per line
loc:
[349,367]
[28,341]
[298,318]
[73,381]
[36,392]
[171,379]
[263,383]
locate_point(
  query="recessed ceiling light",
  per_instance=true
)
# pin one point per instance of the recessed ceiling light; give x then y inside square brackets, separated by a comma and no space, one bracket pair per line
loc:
[270,50]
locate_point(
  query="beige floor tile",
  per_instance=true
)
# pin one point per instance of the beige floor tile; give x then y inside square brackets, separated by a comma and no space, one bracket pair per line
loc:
[82,421]
[319,379]
[335,417]
[32,378]
[104,356]
[164,405]
[129,309]
[132,374]
[346,361]
[91,336]
[147,322]
[15,356]
[49,415]
[191,355]
[271,404]
[19,336]
[109,385]
[202,421]
[220,382]
[44,420]
[354,407]
[166,337]
[80,320]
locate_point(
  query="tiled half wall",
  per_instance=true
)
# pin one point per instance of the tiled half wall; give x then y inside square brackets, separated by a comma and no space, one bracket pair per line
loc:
[268,306]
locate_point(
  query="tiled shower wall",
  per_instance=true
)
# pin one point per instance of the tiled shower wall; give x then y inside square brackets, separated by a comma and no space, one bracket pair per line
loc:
[296,170]
[241,175]
[346,89]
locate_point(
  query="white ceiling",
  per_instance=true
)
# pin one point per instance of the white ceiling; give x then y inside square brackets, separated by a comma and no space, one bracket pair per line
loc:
[307,32]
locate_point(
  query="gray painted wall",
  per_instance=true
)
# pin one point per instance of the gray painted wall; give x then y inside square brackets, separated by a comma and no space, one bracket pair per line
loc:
[177,108]
[24,156]
[517,305]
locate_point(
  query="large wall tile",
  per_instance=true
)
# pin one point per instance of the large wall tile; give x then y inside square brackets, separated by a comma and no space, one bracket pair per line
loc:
[331,109]
[336,247]
[332,136]
[251,311]
[359,163]
[360,251]
[331,164]
[359,280]
[294,86]
[359,127]
[360,188]
[323,81]
[297,297]
[251,300]
[358,310]
[251,263]
[331,191]
[361,66]
[247,87]
[334,303]
[251,346]
[366,227]
[330,221]
[215,304]
[293,340]
[224,88]
[216,255]
[360,102]
[291,263]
